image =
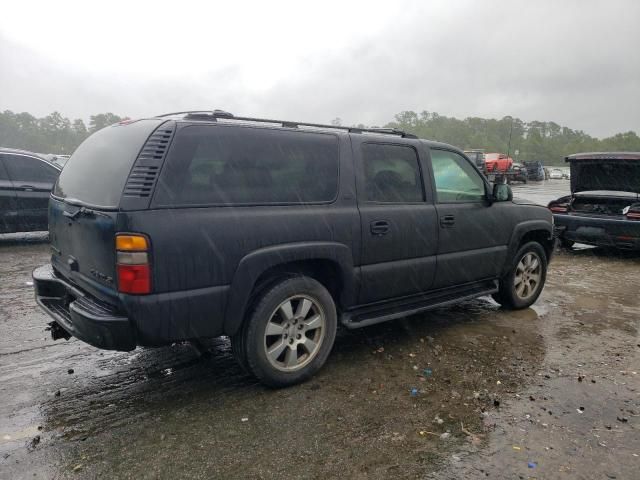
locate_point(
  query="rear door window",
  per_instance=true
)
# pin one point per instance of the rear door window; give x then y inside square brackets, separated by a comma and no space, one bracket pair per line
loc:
[391,174]
[28,169]
[232,165]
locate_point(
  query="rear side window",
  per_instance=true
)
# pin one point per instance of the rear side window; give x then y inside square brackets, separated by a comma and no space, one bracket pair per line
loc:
[97,171]
[29,169]
[231,165]
[391,174]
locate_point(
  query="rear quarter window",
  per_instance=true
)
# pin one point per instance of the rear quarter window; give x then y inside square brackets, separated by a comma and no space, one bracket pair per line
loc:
[232,165]
[97,171]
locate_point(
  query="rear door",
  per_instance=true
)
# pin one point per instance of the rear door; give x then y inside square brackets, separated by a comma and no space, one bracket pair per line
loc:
[84,209]
[33,179]
[473,234]
[8,208]
[398,219]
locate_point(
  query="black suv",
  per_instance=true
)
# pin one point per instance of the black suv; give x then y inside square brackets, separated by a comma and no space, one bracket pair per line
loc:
[26,180]
[197,225]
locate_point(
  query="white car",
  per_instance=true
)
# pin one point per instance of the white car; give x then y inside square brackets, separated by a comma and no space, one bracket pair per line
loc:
[555,174]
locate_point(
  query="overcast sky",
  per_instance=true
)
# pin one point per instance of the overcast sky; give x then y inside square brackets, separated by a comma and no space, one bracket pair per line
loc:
[573,62]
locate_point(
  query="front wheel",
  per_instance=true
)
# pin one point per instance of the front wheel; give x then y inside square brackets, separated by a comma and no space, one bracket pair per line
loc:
[289,333]
[524,282]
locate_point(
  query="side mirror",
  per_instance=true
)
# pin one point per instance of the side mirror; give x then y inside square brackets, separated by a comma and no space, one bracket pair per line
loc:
[502,192]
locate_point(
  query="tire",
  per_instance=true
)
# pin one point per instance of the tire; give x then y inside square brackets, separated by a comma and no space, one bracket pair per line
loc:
[300,315]
[517,292]
[565,243]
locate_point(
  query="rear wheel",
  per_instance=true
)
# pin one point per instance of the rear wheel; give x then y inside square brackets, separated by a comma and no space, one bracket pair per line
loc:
[523,284]
[289,332]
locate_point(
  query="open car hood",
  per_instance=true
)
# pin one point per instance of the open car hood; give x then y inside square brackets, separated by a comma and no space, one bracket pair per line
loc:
[620,173]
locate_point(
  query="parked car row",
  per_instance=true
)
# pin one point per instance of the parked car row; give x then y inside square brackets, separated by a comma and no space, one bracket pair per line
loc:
[311,225]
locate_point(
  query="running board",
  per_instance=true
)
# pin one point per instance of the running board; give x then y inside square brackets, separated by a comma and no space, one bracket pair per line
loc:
[370,315]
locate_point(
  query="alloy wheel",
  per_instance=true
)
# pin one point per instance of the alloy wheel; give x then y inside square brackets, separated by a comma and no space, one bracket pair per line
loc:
[294,333]
[528,275]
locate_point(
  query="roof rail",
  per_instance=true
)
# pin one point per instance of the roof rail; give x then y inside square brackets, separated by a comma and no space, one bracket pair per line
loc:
[216,114]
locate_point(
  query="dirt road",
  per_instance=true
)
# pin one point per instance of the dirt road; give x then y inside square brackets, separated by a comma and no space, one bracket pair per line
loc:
[548,392]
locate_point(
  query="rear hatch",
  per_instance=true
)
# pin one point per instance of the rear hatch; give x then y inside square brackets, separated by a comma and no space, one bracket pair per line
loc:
[84,211]
[617,174]
[604,184]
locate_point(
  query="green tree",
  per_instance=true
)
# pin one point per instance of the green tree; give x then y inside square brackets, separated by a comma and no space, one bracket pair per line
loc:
[98,122]
[50,134]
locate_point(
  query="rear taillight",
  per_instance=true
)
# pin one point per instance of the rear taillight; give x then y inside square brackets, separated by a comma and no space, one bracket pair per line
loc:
[133,268]
[633,215]
[559,209]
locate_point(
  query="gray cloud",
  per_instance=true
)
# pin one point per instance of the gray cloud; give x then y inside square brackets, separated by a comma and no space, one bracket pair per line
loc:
[573,62]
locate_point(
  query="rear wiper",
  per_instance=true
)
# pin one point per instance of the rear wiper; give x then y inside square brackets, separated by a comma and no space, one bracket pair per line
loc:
[77,213]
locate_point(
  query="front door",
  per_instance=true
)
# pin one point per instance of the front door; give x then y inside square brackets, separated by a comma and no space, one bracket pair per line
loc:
[33,180]
[8,207]
[398,220]
[473,234]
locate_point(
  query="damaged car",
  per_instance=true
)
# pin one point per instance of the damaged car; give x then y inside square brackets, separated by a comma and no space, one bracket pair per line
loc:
[604,206]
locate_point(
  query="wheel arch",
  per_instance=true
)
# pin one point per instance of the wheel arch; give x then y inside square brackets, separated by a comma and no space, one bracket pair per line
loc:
[330,263]
[533,230]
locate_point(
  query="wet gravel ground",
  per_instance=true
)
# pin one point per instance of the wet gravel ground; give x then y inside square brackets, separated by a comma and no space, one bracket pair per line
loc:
[547,392]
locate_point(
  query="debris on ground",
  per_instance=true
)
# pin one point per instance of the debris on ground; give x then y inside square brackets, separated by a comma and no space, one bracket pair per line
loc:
[33,443]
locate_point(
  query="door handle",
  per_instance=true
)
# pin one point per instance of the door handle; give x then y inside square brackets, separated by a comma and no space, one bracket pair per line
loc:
[447,221]
[380,227]
[26,188]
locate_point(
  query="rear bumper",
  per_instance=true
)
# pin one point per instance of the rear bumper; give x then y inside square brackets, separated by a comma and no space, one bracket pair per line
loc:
[81,315]
[616,233]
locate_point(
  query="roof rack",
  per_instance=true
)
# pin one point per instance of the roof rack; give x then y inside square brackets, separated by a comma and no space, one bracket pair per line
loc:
[216,114]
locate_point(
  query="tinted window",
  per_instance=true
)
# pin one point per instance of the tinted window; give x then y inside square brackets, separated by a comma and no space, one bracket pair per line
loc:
[29,169]
[98,169]
[215,165]
[391,174]
[456,180]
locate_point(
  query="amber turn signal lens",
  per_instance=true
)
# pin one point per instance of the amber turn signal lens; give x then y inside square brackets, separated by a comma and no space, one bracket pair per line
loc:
[131,243]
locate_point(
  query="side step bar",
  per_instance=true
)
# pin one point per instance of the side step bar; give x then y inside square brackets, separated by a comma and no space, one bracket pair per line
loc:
[372,314]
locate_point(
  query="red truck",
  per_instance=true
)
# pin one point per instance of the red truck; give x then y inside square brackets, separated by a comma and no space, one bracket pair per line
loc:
[497,162]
